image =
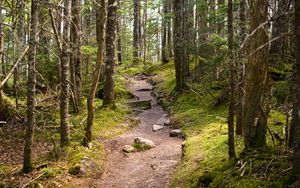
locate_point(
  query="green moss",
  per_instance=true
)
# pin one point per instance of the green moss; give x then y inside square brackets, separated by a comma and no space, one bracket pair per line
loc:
[51,172]
[206,160]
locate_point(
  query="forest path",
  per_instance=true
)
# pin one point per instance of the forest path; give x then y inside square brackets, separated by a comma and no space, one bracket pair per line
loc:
[152,168]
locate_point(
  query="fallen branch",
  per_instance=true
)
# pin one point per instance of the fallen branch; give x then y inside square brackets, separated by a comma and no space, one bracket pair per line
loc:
[273,140]
[197,94]
[33,180]
[13,68]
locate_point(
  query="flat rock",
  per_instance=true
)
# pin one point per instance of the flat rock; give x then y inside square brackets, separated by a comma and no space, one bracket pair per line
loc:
[129,149]
[141,104]
[143,143]
[156,128]
[176,133]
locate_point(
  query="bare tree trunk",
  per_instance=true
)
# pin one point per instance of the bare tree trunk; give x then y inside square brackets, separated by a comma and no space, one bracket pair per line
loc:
[278,49]
[255,111]
[136,31]
[145,30]
[27,158]
[119,41]
[296,157]
[243,32]
[164,50]
[101,28]
[169,31]
[76,32]
[179,44]
[231,150]
[65,87]
[110,53]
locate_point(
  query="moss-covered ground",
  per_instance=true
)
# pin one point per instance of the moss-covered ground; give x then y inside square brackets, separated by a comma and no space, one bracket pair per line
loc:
[205,162]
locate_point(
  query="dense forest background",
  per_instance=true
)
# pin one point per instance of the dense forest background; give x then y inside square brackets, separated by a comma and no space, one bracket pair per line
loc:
[227,73]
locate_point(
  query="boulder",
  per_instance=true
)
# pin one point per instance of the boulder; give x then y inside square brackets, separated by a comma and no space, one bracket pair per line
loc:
[176,133]
[88,167]
[143,104]
[156,128]
[129,149]
[143,144]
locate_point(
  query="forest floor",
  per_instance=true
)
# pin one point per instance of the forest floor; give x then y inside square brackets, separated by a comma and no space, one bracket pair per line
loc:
[151,168]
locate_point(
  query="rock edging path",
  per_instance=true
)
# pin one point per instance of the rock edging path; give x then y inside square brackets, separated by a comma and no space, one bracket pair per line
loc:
[151,168]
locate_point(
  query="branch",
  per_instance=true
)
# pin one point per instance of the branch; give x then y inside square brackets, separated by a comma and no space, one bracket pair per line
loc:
[269,42]
[13,68]
[57,36]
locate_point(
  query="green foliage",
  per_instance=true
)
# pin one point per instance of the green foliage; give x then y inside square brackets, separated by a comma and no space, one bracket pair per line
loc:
[281,91]
[88,50]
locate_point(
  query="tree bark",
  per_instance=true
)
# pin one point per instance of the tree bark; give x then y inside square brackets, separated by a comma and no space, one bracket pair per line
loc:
[255,111]
[231,150]
[119,41]
[164,50]
[243,33]
[76,49]
[100,29]
[27,158]
[111,37]
[179,57]
[296,156]
[65,66]
[136,31]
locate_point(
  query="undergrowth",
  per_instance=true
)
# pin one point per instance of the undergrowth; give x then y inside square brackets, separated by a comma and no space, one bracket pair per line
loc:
[205,162]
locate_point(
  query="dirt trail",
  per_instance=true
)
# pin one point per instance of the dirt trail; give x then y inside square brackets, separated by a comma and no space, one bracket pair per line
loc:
[152,168]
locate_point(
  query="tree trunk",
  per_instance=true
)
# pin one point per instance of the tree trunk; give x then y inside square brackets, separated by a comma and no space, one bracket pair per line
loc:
[76,50]
[278,49]
[27,158]
[145,29]
[296,157]
[119,41]
[65,64]
[179,44]
[111,29]
[231,82]
[169,31]
[243,33]
[100,29]
[136,31]
[164,50]
[256,79]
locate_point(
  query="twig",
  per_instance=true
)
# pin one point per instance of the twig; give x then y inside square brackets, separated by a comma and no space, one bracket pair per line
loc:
[31,181]
[197,94]
[288,169]
[271,136]
[265,174]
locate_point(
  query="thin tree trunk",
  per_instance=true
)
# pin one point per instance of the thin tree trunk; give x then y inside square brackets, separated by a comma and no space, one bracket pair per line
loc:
[296,157]
[76,32]
[27,158]
[110,53]
[179,44]
[119,41]
[243,30]
[164,50]
[231,83]
[255,111]
[136,32]
[101,28]
[65,65]
[145,30]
